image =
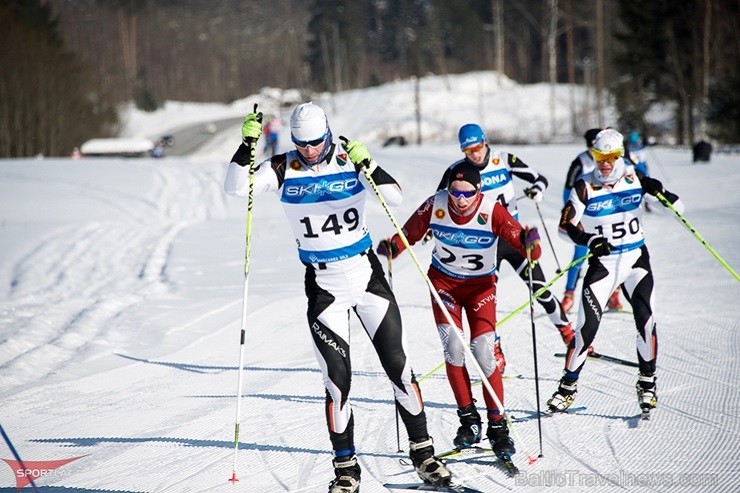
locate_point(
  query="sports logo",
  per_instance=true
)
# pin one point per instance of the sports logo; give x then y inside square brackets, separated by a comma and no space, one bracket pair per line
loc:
[295,165]
[482,218]
[439,214]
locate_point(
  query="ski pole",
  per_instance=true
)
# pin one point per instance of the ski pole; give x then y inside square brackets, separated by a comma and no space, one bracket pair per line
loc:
[468,353]
[252,145]
[530,265]
[398,430]
[519,308]
[698,236]
[548,238]
[17,457]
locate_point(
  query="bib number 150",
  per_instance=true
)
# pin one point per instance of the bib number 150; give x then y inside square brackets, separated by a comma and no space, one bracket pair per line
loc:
[620,229]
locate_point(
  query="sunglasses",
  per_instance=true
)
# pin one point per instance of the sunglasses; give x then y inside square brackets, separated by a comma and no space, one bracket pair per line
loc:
[468,194]
[608,156]
[475,148]
[309,143]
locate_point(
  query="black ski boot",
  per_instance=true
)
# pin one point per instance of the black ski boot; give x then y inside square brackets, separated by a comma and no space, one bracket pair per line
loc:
[646,392]
[347,472]
[564,396]
[501,443]
[429,468]
[470,430]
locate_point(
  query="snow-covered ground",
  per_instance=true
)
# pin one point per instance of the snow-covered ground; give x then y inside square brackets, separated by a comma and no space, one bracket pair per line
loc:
[120,311]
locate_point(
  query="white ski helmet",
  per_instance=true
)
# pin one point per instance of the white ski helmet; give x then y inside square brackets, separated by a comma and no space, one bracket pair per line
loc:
[609,144]
[308,123]
[309,127]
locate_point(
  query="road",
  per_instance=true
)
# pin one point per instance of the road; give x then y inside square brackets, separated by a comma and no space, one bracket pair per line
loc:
[189,138]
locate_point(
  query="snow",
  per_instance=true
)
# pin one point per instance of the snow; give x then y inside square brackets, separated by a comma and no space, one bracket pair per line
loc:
[117,146]
[121,287]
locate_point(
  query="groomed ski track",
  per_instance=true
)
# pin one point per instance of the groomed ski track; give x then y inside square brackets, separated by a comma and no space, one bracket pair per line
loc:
[120,342]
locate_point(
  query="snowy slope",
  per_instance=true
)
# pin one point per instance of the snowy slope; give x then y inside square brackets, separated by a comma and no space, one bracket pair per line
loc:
[120,308]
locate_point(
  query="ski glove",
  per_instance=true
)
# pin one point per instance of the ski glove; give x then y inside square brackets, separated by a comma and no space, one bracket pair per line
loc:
[599,246]
[534,193]
[530,238]
[252,128]
[358,154]
[652,186]
[387,248]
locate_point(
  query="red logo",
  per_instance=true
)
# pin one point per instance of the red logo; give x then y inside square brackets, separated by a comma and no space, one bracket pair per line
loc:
[31,470]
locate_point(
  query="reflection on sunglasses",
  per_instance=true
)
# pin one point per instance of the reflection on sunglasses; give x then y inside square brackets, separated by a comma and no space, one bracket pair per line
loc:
[475,148]
[462,193]
[309,143]
[610,156]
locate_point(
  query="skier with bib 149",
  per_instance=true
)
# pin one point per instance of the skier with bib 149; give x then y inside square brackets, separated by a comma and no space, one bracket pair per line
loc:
[497,169]
[604,214]
[466,227]
[323,191]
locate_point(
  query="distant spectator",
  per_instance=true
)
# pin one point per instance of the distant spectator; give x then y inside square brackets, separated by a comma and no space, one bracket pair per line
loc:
[271,131]
[702,151]
[76,154]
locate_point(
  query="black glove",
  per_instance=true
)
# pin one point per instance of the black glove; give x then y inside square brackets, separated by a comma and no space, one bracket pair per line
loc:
[599,246]
[534,193]
[387,248]
[652,186]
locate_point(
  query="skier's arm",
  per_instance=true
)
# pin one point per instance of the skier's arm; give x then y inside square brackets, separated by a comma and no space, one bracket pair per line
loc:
[569,227]
[268,176]
[507,228]
[360,157]
[520,169]
[653,187]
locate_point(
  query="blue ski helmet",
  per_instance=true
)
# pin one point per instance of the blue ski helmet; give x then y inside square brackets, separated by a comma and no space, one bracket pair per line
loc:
[634,139]
[470,134]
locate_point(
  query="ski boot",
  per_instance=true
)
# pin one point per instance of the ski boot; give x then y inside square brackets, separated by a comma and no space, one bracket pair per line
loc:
[499,355]
[567,302]
[430,469]
[564,396]
[347,472]
[469,432]
[646,395]
[501,443]
[566,332]
[614,303]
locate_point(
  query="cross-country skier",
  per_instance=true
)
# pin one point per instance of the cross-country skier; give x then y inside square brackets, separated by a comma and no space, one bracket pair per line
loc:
[603,213]
[581,165]
[497,169]
[323,190]
[466,227]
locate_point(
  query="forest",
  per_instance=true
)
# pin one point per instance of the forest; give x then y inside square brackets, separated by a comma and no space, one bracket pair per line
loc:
[67,65]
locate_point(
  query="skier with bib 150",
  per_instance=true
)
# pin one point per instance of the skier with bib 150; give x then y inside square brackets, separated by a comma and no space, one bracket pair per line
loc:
[322,188]
[603,213]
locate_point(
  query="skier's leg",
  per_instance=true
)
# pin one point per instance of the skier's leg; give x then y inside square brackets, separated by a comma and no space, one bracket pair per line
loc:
[639,291]
[328,321]
[379,314]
